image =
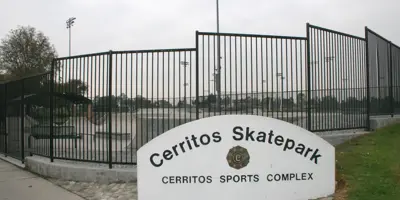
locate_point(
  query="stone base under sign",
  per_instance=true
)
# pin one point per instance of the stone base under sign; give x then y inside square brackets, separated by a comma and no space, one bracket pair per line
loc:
[80,172]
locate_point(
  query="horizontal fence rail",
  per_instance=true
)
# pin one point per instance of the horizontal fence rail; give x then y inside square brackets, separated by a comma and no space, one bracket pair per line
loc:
[103,107]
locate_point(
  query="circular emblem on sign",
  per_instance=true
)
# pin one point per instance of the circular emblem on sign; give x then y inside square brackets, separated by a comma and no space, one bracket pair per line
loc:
[238,157]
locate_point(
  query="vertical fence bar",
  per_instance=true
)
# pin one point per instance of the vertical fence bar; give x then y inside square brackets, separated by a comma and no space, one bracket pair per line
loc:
[197,76]
[308,80]
[5,121]
[391,79]
[367,73]
[51,111]
[110,109]
[22,121]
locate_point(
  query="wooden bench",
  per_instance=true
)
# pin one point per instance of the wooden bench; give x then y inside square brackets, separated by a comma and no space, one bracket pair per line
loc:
[40,132]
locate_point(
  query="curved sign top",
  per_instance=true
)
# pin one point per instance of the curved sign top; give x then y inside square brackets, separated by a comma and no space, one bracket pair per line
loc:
[235,157]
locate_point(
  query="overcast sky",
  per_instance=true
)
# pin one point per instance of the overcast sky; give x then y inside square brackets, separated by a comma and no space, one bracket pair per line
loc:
[103,25]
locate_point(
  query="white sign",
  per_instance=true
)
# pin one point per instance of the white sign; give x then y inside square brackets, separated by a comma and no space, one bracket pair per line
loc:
[236,157]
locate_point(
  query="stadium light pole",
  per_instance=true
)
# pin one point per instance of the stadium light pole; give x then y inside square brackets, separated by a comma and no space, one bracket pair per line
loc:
[218,70]
[70,23]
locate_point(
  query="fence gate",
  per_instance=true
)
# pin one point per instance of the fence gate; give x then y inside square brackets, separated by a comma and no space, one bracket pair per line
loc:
[384,73]
[337,80]
[256,74]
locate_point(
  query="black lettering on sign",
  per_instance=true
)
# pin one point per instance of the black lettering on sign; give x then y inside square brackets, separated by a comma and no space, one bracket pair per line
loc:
[205,139]
[310,176]
[209,179]
[194,178]
[300,149]
[178,179]
[289,144]
[188,143]
[271,135]
[238,135]
[222,179]
[261,137]
[249,134]
[185,179]
[182,147]
[308,151]
[256,178]
[297,177]
[277,177]
[164,180]
[174,148]
[153,162]
[217,137]
[269,177]
[315,156]
[239,178]
[285,177]
[202,179]
[167,155]
[194,139]
[292,175]
[278,140]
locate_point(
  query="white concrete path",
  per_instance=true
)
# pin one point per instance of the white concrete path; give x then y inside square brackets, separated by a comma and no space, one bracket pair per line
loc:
[18,184]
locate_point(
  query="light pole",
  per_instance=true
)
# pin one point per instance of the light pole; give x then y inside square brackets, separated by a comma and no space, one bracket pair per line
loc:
[70,23]
[185,64]
[328,59]
[266,102]
[218,70]
[345,88]
[282,78]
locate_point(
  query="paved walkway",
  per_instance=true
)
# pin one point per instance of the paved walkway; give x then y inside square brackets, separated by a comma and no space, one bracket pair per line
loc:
[17,184]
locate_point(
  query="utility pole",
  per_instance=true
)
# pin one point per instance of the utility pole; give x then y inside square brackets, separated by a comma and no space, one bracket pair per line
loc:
[70,23]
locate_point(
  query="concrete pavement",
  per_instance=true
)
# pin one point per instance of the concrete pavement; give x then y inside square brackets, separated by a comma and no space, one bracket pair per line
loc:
[18,184]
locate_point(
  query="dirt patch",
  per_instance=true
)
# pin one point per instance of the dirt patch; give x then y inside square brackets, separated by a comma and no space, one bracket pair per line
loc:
[341,187]
[396,172]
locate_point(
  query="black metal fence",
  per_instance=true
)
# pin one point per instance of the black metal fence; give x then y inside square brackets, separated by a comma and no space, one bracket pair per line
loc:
[337,83]
[384,74]
[24,104]
[256,74]
[103,107]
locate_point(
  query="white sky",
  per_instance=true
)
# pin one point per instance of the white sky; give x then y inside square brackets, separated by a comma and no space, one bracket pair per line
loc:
[104,25]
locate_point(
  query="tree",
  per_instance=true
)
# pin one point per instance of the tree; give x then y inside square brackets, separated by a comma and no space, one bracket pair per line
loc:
[102,104]
[73,86]
[142,102]
[301,99]
[26,51]
[162,104]
[329,103]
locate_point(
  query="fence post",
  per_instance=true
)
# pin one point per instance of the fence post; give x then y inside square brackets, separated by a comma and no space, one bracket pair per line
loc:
[6,122]
[110,109]
[391,79]
[367,73]
[197,76]
[308,80]
[22,121]
[51,111]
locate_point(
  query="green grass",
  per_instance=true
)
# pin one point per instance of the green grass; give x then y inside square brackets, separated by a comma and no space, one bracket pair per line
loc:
[370,165]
